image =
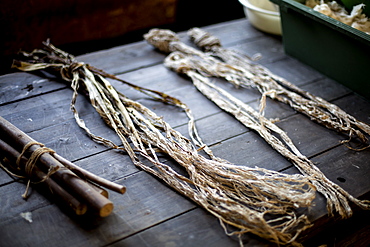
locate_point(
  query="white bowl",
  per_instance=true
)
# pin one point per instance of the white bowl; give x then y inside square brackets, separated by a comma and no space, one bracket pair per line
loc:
[263,15]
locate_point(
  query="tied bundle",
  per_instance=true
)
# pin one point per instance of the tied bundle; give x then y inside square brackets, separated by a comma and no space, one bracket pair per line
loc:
[254,200]
[23,157]
[247,74]
[242,72]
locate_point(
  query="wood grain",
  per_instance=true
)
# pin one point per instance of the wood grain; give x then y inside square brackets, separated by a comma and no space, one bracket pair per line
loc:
[150,213]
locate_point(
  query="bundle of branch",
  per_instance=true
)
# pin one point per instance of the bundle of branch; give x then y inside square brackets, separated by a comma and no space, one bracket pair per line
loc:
[254,200]
[200,66]
[25,158]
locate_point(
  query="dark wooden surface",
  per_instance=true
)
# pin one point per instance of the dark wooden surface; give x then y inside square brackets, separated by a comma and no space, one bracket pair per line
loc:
[150,213]
[84,26]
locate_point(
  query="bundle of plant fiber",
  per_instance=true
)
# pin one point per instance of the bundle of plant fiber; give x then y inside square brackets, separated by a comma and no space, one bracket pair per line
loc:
[254,200]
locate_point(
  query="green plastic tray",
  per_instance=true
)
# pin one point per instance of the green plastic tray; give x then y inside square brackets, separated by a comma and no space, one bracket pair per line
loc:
[331,47]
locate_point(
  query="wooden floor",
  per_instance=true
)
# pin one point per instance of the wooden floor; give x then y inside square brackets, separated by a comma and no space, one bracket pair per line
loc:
[150,213]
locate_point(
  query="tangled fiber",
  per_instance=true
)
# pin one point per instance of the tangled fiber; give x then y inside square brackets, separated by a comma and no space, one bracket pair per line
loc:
[240,71]
[255,200]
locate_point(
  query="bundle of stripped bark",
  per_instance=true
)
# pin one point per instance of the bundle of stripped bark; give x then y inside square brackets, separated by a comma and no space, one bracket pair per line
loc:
[241,71]
[254,200]
[250,74]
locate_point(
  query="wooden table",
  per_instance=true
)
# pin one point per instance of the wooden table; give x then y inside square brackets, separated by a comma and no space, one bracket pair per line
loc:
[150,213]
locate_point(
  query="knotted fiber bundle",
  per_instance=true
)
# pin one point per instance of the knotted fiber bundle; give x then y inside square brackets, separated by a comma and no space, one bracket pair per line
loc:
[254,200]
[243,72]
[240,71]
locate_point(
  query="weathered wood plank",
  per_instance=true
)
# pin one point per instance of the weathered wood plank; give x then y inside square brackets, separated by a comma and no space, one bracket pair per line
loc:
[240,30]
[195,228]
[21,85]
[310,138]
[293,71]
[147,202]
[40,112]
[347,168]
[196,237]
[137,55]
[268,47]
[250,150]
[111,165]
[72,142]
[68,143]
[4,177]
[357,106]
[350,232]
[123,58]
[150,213]
[326,89]
[12,203]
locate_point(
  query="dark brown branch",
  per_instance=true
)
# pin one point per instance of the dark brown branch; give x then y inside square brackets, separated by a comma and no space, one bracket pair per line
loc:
[64,197]
[91,176]
[66,178]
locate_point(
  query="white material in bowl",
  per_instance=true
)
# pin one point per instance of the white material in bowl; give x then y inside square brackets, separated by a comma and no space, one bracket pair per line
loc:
[263,15]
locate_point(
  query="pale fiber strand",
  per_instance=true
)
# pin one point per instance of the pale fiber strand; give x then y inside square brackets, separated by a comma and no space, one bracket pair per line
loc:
[208,192]
[336,198]
[254,200]
[278,88]
[198,65]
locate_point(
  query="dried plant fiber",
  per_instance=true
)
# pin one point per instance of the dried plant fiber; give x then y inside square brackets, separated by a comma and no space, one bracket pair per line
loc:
[254,200]
[201,66]
[243,72]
